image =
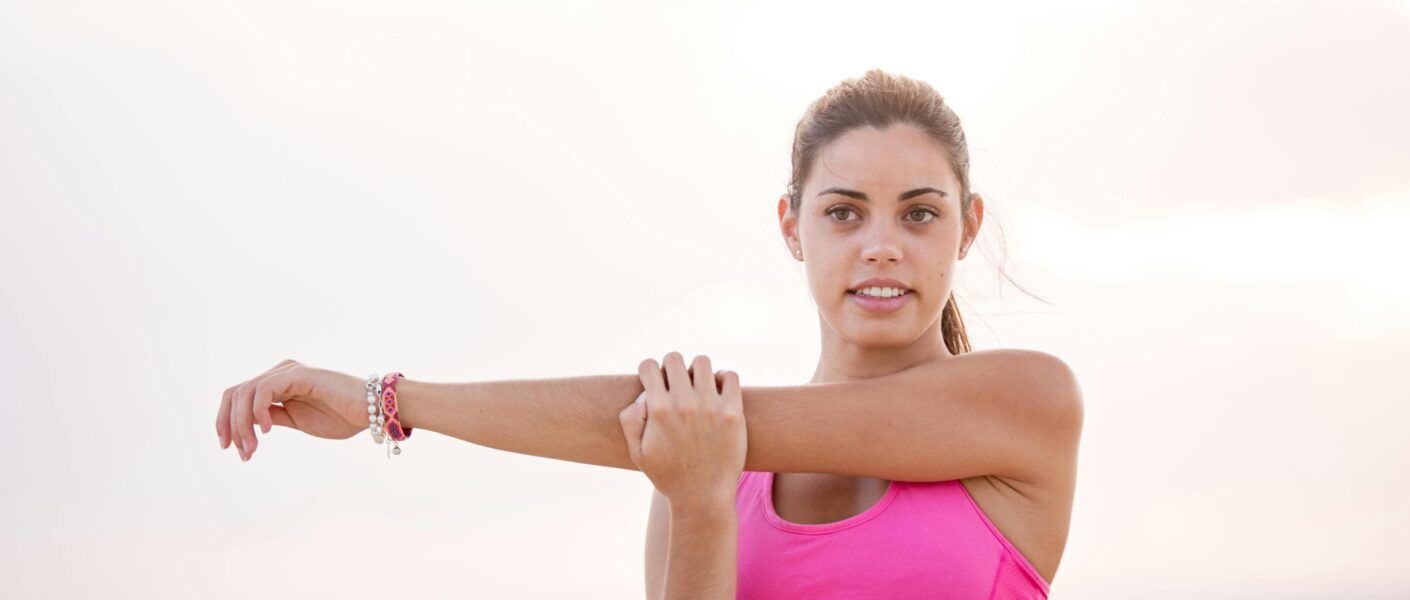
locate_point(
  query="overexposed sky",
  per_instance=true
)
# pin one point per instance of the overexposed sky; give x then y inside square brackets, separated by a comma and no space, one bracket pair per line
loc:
[1212,196]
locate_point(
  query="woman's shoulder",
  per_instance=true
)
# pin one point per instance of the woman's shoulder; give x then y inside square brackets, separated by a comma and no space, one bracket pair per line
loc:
[1033,375]
[1012,354]
[1046,367]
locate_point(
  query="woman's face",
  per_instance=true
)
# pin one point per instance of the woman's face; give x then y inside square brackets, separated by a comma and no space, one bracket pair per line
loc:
[908,228]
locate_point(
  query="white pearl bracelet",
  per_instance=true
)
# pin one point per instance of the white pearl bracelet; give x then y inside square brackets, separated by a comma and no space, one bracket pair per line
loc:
[376,423]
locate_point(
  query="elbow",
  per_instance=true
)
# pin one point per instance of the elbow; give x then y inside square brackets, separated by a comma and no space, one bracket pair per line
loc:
[1063,393]
[1049,385]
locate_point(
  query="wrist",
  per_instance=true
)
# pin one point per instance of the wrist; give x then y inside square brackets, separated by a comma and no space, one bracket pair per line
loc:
[412,399]
[705,506]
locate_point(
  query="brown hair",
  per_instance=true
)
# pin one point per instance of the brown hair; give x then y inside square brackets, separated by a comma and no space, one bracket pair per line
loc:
[880,99]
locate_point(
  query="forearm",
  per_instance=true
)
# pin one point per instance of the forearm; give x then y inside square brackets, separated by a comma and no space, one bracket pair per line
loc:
[568,418]
[703,553]
[576,419]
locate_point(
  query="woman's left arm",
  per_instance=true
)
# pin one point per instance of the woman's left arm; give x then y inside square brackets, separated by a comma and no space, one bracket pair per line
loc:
[686,433]
[703,554]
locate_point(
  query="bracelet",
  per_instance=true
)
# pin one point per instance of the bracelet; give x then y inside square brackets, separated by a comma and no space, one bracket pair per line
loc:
[383,419]
[375,419]
[393,426]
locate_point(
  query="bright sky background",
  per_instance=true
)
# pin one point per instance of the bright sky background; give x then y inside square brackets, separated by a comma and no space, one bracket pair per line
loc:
[1214,197]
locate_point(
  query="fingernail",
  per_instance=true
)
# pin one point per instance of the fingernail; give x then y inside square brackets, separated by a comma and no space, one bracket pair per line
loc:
[266,428]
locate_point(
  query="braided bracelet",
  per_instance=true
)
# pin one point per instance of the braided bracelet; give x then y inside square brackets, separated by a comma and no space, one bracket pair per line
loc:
[394,428]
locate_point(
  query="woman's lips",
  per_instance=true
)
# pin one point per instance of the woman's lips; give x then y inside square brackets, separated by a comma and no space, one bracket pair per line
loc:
[880,305]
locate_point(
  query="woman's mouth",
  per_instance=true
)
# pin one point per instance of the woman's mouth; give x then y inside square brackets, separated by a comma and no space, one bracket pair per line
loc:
[880,304]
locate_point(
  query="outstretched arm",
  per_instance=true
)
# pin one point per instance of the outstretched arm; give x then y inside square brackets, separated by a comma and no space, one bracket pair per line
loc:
[567,418]
[1009,412]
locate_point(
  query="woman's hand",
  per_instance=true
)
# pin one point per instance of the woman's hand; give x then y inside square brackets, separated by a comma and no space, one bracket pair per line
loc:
[318,402]
[693,444]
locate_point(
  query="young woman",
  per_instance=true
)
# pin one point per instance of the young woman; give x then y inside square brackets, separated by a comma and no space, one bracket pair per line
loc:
[910,466]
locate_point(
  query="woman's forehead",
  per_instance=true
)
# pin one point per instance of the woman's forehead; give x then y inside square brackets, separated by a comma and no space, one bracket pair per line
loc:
[885,161]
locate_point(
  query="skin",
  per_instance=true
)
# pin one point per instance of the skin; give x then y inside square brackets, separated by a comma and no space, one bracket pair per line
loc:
[319,402]
[882,238]
[843,240]
[692,447]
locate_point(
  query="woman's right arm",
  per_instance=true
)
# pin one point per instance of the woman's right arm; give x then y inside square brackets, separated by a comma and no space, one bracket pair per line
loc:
[1011,413]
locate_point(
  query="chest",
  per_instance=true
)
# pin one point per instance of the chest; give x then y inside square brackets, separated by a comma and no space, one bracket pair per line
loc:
[812,498]
[815,498]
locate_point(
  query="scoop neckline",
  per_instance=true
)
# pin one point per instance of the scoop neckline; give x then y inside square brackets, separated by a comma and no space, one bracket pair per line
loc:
[771,514]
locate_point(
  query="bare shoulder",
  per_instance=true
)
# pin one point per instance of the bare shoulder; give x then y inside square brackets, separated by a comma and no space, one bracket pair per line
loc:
[1040,379]
[1036,390]
[1031,366]
[1045,381]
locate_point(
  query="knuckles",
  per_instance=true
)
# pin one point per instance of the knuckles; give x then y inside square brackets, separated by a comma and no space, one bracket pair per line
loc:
[699,365]
[674,357]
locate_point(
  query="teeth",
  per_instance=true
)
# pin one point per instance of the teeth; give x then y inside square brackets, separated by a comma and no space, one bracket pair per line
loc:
[879,292]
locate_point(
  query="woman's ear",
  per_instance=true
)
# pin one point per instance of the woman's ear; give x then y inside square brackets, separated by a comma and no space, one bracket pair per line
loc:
[973,218]
[788,225]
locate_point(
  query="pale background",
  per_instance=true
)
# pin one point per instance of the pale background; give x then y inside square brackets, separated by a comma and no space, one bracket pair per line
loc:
[1212,195]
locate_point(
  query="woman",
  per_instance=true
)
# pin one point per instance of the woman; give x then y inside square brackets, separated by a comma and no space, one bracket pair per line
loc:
[879,198]
[908,467]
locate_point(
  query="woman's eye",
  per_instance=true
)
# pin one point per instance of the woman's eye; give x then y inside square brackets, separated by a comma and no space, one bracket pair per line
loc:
[838,210]
[925,212]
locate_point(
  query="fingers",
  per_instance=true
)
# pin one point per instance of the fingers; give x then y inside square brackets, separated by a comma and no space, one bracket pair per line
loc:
[280,416]
[241,417]
[674,376]
[703,378]
[222,418]
[239,421]
[633,420]
[650,373]
[266,390]
[677,379]
[230,418]
[730,392]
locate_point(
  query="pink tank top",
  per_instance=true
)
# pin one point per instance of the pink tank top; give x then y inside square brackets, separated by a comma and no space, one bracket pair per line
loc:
[921,540]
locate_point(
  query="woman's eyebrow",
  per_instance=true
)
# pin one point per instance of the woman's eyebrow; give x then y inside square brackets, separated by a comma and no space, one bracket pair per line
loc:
[863,197]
